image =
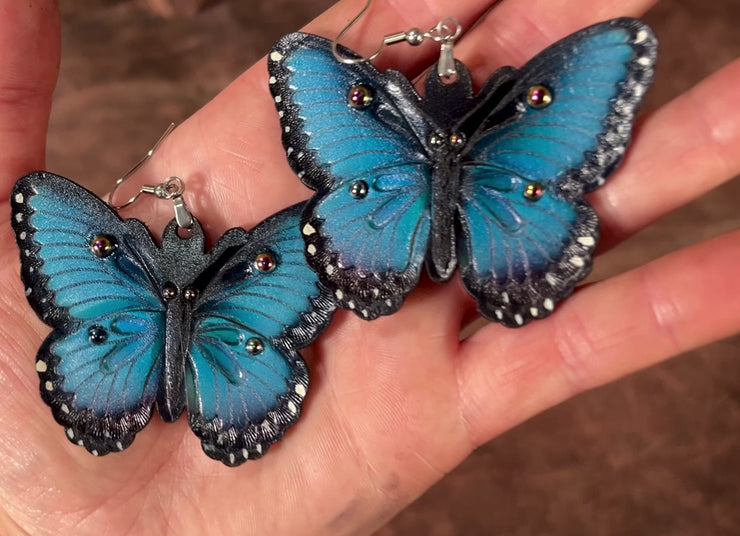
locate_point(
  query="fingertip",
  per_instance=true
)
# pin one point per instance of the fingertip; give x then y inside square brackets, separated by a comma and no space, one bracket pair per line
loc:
[29,64]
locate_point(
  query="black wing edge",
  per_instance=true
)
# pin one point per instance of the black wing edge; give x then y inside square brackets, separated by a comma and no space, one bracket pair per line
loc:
[233,447]
[516,304]
[295,141]
[112,433]
[39,297]
[312,322]
[366,294]
[99,435]
[617,133]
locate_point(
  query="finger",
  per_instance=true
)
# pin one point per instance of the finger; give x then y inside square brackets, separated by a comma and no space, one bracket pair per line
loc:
[514,32]
[29,61]
[604,332]
[230,154]
[681,151]
[686,148]
[511,34]
[391,16]
[232,161]
[669,174]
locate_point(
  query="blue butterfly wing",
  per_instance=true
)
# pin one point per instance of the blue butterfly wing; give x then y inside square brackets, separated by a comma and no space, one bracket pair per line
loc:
[241,401]
[367,228]
[101,365]
[527,235]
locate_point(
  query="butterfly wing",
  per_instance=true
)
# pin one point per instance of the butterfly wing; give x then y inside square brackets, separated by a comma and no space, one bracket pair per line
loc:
[354,135]
[245,379]
[527,234]
[100,367]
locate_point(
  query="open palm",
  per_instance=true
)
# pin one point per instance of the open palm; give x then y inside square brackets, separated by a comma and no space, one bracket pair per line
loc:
[396,403]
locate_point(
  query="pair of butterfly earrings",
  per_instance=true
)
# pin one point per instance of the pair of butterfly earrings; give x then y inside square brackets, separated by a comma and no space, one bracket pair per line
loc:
[492,182]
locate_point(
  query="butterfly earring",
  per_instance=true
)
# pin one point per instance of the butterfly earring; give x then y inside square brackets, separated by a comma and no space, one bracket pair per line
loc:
[136,325]
[491,182]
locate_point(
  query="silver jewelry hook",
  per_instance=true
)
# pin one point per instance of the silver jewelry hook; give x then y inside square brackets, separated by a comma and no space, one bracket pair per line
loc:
[445,32]
[134,169]
[171,189]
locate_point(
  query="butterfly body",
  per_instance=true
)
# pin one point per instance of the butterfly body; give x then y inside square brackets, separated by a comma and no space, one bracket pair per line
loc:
[491,182]
[176,326]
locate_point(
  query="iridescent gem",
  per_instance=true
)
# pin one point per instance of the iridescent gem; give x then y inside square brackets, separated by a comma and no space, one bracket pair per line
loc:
[457,139]
[358,189]
[102,245]
[360,96]
[265,263]
[254,346]
[436,140]
[97,334]
[534,191]
[169,291]
[539,96]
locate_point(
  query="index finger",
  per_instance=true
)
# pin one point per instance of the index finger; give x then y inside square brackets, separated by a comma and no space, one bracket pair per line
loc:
[29,62]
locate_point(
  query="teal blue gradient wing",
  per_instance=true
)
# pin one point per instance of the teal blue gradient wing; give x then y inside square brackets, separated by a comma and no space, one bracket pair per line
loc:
[245,379]
[88,275]
[526,233]
[357,137]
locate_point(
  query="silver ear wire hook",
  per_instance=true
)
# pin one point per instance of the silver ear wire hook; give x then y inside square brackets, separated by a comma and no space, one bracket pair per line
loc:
[134,169]
[171,189]
[445,32]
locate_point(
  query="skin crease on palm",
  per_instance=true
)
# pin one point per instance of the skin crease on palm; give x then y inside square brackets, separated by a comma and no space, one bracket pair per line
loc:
[396,403]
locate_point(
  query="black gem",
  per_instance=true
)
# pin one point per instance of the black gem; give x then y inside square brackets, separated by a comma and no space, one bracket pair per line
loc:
[534,191]
[190,294]
[358,189]
[457,139]
[254,346]
[169,291]
[436,140]
[97,334]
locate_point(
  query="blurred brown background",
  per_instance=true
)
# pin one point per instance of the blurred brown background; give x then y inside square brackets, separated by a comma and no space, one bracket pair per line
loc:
[656,453]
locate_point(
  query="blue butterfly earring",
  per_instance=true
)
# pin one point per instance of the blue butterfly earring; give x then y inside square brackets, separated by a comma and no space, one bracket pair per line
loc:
[492,182]
[136,325]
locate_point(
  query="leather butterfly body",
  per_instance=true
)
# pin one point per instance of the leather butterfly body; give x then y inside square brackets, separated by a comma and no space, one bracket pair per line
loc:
[490,182]
[137,325]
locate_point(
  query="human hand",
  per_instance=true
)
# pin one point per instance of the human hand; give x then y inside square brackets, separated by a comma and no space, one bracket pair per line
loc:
[389,411]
